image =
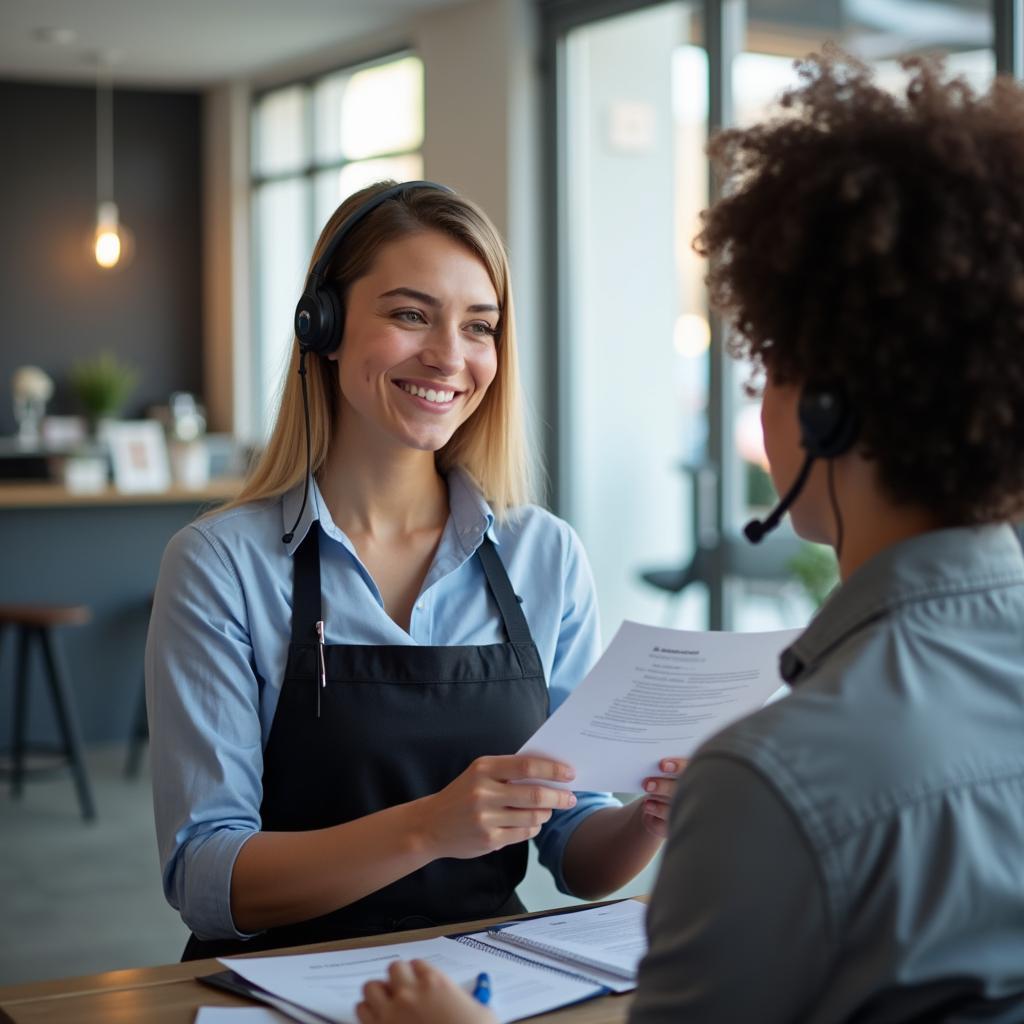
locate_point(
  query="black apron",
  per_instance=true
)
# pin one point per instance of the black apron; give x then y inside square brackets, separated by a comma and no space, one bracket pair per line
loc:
[392,724]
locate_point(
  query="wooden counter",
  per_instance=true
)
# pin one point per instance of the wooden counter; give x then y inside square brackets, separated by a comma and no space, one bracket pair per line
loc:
[171,995]
[52,495]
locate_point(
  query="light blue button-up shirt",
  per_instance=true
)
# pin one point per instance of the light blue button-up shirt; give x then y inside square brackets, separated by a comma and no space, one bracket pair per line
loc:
[218,644]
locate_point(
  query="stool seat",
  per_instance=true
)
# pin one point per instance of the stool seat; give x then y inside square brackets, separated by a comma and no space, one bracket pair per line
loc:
[43,615]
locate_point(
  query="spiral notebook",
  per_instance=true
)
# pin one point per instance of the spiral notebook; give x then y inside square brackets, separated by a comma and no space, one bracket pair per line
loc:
[603,944]
[525,980]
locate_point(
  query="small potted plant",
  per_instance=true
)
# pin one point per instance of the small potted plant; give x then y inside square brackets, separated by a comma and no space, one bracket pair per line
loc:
[102,385]
[815,567]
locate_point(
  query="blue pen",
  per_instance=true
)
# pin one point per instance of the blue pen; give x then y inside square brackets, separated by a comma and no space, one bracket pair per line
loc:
[482,989]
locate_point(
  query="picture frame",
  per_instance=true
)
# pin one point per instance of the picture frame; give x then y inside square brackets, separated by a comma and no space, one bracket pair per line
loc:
[138,455]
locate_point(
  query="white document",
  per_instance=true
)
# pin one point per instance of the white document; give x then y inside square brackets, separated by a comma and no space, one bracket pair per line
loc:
[657,693]
[239,1015]
[330,984]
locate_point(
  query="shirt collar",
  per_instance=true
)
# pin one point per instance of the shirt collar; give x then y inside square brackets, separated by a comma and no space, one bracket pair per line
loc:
[471,515]
[291,502]
[941,562]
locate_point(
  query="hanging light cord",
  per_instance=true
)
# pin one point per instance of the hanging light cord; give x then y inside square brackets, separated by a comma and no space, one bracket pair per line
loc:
[104,136]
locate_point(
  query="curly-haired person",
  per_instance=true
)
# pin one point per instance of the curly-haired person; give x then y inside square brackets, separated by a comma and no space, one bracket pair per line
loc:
[855,852]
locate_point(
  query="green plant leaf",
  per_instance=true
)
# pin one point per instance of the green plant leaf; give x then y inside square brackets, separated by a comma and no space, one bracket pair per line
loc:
[102,384]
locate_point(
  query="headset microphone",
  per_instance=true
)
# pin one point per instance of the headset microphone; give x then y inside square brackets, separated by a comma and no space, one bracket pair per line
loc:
[828,429]
[755,530]
[320,312]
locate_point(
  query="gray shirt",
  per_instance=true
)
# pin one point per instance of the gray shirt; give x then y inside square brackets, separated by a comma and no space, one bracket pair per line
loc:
[856,850]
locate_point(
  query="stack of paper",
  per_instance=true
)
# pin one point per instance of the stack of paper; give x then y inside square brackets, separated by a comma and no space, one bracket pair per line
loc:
[533,968]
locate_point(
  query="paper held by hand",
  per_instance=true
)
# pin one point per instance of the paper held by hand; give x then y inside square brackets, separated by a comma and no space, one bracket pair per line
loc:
[657,693]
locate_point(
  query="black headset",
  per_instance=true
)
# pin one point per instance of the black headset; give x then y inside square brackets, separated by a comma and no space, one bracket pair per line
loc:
[320,312]
[829,427]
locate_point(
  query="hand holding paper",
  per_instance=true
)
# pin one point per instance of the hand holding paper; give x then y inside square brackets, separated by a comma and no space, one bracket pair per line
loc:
[656,694]
[659,792]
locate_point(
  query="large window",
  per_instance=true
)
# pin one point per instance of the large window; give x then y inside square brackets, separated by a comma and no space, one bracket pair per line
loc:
[313,144]
[658,455]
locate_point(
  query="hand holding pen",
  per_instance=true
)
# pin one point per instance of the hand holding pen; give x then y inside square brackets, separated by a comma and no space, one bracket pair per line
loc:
[416,993]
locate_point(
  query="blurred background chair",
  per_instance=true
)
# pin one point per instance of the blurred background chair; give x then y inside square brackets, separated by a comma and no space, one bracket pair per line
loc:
[138,737]
[718,557]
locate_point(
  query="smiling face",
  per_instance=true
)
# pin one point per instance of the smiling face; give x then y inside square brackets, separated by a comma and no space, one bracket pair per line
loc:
[419,349]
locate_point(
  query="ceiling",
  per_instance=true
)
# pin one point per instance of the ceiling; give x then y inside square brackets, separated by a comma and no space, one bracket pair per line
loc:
[185,44]
[192,44]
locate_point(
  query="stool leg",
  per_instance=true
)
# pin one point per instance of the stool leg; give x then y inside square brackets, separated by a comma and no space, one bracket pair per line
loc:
[20,711]
[68,723]
[140,733]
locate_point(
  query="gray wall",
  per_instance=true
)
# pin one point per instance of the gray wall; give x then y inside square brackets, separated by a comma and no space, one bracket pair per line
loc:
[107,558]
[57,305]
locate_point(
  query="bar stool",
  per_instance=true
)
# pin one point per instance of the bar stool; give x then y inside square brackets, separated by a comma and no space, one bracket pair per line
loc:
[36,624]
[139,733]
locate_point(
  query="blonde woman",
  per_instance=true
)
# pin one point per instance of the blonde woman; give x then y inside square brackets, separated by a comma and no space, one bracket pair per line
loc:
[335,711]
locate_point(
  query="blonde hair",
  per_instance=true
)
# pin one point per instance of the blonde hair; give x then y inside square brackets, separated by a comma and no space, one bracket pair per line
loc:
[491,446]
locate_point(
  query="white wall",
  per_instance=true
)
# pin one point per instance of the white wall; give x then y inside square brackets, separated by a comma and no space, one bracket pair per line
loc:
[227,347]
[483,133]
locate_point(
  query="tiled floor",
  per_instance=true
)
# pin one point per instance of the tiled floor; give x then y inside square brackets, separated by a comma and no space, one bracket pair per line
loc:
[76,898]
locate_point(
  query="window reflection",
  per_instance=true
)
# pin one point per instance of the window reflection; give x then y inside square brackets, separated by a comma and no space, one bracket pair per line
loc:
[634,442]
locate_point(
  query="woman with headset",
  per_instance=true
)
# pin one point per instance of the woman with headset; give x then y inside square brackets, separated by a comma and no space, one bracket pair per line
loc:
[342,663]
[854,852]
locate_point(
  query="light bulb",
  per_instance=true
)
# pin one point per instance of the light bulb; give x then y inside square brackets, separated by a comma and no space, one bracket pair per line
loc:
[108,236]
[108,248]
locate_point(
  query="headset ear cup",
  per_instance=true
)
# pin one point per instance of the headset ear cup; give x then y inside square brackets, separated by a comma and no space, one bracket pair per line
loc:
[319,318]
[828,426]
[334,323]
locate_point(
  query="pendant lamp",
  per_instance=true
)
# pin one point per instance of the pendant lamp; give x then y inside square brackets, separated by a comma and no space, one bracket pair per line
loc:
[112,241]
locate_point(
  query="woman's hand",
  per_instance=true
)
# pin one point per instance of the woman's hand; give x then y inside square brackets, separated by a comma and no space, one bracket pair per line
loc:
[483,809]
[416,993]
[658,793]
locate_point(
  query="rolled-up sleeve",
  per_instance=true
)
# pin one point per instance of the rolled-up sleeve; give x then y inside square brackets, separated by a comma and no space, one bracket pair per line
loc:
[206,745]
[578,647]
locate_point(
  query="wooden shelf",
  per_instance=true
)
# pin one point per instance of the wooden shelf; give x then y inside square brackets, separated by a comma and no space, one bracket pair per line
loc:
[52,495]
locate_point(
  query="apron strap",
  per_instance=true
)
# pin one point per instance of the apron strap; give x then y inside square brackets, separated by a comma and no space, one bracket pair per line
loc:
[307,610]
[508,603]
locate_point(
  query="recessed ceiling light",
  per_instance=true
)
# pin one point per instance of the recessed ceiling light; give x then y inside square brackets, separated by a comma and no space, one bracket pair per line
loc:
[55,36]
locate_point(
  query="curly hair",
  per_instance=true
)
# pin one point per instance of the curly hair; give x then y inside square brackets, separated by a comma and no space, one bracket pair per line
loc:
[877,240]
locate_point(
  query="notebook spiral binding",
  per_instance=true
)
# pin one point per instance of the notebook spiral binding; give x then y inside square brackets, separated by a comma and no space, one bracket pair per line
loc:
[507,954]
